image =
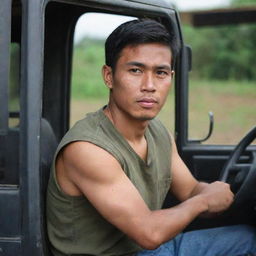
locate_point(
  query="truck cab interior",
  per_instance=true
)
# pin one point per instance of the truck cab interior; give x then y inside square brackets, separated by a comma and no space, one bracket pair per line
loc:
[36,49]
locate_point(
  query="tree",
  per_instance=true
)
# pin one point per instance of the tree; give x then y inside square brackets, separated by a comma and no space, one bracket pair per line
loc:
[243,2]
[223,52]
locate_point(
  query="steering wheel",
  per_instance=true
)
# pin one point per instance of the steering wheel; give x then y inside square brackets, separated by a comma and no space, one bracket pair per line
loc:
[241,176]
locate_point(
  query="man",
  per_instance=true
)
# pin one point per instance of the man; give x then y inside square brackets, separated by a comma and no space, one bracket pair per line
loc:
[113,169]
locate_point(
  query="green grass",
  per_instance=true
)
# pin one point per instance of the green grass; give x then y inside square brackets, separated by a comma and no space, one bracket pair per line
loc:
[223,87]
[233,104]
[87,79]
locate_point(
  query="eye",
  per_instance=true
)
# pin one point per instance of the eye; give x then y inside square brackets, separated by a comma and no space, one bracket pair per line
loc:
[162,73]
[135,70]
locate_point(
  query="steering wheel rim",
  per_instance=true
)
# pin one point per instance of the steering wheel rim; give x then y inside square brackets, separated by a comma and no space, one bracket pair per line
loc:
[248,176]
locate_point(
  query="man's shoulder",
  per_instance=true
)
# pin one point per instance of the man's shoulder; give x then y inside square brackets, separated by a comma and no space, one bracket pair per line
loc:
[90,120]
[85,129]
[90,125]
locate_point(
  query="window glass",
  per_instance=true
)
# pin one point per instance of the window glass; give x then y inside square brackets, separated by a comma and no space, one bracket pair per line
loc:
[222,81]
[14,84]
[89,92]
[9,144]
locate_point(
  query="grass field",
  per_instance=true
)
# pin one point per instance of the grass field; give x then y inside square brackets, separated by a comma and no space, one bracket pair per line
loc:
[233,105]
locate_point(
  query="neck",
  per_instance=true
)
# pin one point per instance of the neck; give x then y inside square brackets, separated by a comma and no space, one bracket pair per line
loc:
[133,130]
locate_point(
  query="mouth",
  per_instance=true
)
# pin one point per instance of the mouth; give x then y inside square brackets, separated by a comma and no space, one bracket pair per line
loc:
[147,102]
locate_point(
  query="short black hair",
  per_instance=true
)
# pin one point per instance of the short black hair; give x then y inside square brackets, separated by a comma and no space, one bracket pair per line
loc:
[135,32]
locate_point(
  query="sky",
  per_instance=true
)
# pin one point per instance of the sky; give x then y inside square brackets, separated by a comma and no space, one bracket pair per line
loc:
[101,25]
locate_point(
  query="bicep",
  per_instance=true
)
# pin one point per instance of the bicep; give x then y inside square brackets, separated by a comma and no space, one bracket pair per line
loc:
[183,181]
[99,176]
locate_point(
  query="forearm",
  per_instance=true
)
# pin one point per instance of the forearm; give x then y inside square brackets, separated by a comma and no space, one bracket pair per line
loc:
[163,225]
[198,189]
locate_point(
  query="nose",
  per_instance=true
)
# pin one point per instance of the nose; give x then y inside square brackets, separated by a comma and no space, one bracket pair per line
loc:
[148,83]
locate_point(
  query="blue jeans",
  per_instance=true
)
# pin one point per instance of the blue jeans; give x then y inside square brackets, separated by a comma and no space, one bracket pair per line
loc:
[224,241]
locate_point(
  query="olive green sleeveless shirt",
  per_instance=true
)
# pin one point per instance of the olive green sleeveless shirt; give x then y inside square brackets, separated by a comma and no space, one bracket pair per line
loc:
[74,225]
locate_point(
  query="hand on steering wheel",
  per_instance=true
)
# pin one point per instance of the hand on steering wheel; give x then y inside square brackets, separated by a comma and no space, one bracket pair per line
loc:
[240,176]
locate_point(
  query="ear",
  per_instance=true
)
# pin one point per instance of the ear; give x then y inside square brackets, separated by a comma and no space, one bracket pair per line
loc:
[172,73]
[107,76]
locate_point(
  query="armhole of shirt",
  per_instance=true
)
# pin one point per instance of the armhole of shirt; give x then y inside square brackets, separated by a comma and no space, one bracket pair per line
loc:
[90,140]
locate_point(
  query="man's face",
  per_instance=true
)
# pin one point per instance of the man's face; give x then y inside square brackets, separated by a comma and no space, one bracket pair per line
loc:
[141,80]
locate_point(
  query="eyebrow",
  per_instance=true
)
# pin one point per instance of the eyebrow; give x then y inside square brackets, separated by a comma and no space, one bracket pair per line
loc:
[139,64]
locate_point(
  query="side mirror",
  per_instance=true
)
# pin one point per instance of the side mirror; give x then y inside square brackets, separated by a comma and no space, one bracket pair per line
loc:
[211,117]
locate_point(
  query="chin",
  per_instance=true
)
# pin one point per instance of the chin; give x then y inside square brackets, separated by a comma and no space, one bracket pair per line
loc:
[146,117]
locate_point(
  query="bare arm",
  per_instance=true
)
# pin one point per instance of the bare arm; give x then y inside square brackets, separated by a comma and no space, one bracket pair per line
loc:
[184,186]
[98,175]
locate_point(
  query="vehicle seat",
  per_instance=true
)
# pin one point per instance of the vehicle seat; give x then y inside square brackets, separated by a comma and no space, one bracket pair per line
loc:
[48,145]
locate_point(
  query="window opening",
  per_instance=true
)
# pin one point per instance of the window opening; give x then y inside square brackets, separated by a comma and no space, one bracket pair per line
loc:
[89,92]
[222,81]
[14,85]
[10,34]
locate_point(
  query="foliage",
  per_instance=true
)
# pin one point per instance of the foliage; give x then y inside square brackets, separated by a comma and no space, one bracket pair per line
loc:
[243,2]
[224,52]
[88,60]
